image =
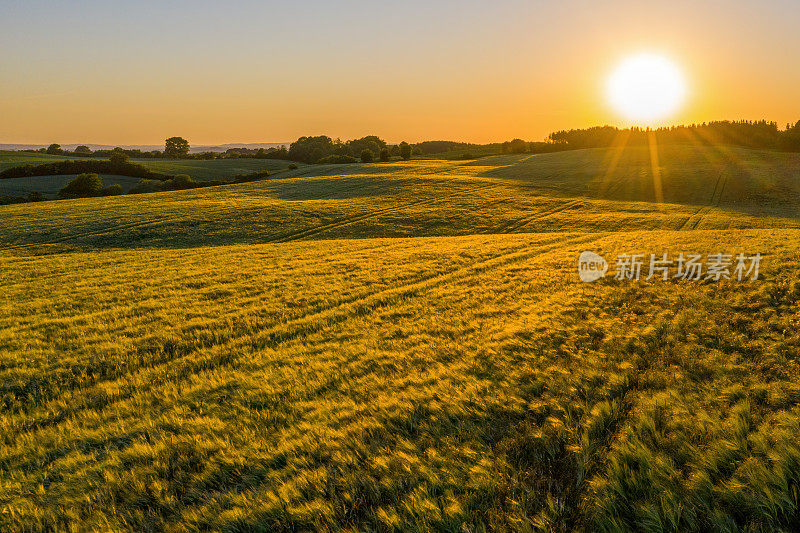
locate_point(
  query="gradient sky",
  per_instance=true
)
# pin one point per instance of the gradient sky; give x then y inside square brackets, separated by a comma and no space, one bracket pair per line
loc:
[116,72]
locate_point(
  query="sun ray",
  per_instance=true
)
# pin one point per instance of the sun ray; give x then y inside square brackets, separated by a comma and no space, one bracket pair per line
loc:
[722,148]
[656,169]
[615,154]
[703,147]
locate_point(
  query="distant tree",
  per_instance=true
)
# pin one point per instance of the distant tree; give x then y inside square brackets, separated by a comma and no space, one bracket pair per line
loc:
[278,153]
[517,146]
[416,150]
[336,159]
[405,150]
[791,138]
[312,149]
[343,148]
[252,176]
[437,147]
[82,185]
[373,143]
[112,190]
[118,157]
[146,185]
[176,147]
[54,149]
[384,156]
[367,156]
[83,150]
[181,181]
[750,134]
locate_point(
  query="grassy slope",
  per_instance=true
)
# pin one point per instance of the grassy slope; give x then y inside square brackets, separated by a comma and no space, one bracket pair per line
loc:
[198,169]
[260,354]
[10,159]
[214,169]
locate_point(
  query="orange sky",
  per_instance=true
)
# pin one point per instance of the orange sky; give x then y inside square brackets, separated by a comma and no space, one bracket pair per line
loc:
[102,72]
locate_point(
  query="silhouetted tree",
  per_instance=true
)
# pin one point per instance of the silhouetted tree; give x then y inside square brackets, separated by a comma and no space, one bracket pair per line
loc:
[367,156]
[83,150]
[176,147]
[405,150]
[311,149]
[517,146]
[384,155]
[373,143]
[437,147]
[54,149]
[340,148]
[758,134]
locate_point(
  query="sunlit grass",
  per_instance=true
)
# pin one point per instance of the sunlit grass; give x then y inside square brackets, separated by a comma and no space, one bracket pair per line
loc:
[263,357]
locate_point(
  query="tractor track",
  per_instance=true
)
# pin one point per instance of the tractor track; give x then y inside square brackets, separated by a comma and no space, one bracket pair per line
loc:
[309,232]
[693,220]
[510,227]
[194,359]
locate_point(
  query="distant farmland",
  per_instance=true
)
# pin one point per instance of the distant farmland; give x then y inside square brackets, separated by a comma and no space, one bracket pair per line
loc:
[198,169]
[406,346]
[49,186]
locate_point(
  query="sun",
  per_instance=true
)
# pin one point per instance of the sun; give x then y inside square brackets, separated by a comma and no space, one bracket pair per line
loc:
[646,87]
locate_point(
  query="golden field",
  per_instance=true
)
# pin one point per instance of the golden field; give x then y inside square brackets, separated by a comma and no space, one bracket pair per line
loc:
[406,346]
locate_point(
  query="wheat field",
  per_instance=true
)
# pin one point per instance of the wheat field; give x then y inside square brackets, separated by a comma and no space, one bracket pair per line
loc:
[407,346]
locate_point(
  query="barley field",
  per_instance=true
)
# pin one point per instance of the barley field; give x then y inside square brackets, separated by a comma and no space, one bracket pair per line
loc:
[407,346]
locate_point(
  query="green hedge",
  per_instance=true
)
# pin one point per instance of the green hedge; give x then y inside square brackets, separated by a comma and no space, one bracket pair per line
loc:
[83,167]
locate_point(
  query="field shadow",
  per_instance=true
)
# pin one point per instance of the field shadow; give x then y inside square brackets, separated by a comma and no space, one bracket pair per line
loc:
[746,181]
[336,188]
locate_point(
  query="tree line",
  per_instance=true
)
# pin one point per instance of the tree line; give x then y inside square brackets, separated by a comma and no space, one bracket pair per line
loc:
[323,149]
[174,147]
[749,134]
[118,164]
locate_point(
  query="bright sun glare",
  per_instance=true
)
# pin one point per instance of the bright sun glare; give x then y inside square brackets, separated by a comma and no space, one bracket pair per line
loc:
[646,87]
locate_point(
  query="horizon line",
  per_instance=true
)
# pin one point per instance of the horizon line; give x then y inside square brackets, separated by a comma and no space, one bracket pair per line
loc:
[287,143]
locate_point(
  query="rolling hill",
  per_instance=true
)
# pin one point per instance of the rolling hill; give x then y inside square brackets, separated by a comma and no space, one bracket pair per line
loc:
[199,170]
[407,346]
